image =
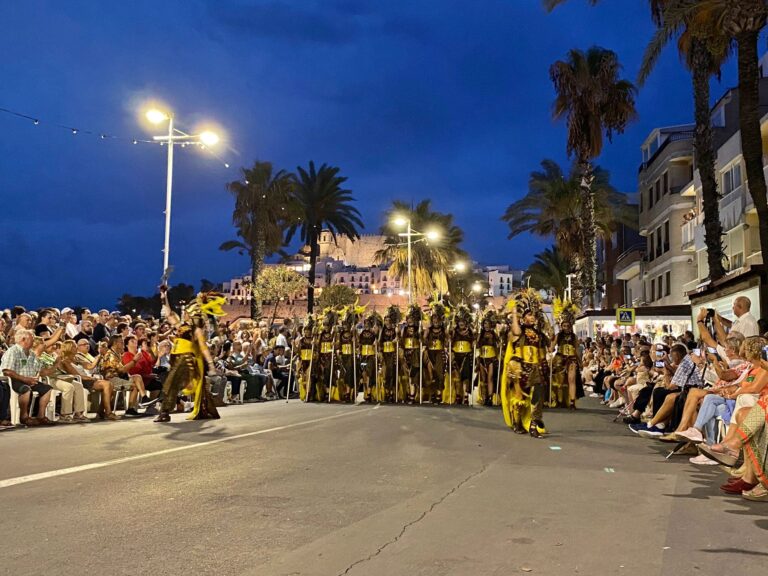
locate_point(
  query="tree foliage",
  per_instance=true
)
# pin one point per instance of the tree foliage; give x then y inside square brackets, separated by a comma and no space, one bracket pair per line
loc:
[431,259]
[336,296]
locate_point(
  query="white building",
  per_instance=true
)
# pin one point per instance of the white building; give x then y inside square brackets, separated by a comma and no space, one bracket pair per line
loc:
[502,280]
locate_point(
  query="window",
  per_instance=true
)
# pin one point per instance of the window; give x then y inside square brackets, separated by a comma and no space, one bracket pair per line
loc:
[659,244]
[666,236]
[653,291]
[352,279]
[666,182]
[641,201]
[659,291]
[651,253]
[668,281]
[658,190]
[650,198]
[732,178]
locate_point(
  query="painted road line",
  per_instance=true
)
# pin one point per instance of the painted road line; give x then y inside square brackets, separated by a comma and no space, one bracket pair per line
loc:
[74,469]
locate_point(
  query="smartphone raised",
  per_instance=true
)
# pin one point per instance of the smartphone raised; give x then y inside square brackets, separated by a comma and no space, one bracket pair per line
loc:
[659,364]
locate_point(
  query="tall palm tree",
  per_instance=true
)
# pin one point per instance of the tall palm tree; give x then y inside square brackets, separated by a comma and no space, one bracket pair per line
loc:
[742,21]
[594,102]
[704,49]
[553,208]
[321,202]
[262,213]
[549,271]
[431,260]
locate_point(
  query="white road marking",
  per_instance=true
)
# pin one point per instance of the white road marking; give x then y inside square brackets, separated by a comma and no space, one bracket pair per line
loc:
[74,469]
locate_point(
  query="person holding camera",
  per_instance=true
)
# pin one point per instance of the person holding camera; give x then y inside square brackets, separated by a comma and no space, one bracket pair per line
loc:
[745,324]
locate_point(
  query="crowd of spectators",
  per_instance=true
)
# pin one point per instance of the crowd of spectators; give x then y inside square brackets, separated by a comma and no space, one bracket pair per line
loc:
[55,363]
[706,395]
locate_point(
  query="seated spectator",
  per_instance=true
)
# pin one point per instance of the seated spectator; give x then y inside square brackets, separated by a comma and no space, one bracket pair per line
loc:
[277,365]
[722,399]
[142,364]
[100,329]
[72,397]
[49,328]
[86,333]
[20,365]
[111,368]
[81,363]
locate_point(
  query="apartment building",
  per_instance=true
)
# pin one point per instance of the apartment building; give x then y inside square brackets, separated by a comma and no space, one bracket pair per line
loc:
[666,197]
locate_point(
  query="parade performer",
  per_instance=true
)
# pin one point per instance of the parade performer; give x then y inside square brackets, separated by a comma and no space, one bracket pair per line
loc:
[388,346]
[368,363]
[488,361]
[526,370]
[410,342]
[190,356]
[325,360]
[566,385]
[306,359]
[346,351]
[435,343]
[462,352]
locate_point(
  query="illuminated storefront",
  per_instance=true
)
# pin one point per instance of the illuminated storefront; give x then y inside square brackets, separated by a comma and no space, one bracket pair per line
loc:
[652,321]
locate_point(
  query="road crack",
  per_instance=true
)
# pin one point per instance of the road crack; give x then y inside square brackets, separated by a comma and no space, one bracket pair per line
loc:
[421,517]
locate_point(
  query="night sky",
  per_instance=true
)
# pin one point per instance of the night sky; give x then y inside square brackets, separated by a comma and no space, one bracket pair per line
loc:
[412,99]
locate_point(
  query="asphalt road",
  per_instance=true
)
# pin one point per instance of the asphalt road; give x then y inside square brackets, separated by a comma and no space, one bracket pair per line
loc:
[295,489]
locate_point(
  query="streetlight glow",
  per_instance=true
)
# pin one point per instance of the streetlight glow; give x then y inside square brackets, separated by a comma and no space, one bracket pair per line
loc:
[156,116]
[476,287]
[432,235]
[399,221]
[460,267]
[209,138]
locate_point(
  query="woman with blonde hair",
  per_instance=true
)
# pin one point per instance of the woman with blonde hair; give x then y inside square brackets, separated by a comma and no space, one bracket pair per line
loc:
[69,362]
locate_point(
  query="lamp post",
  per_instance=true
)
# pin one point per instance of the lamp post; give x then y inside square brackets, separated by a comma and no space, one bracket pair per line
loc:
[409,234]
[174,135]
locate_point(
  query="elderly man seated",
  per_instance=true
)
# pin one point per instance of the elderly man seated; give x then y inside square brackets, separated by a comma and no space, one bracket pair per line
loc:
[72,397]
[21,366]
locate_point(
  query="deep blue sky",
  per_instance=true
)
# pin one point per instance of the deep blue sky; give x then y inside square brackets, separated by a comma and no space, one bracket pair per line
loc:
[443,99]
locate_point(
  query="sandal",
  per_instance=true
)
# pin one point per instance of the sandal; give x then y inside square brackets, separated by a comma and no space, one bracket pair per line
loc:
[756,494]
[30,421]
[721,454]
[45,422]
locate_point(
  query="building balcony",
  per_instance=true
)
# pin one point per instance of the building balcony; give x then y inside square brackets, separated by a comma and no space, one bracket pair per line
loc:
[629,262]
[688,243]
[732,208]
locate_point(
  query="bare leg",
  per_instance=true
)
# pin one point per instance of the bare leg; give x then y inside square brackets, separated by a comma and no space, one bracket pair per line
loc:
[665,411]
[691,409]
[42,404]
[572,382]
[24,400]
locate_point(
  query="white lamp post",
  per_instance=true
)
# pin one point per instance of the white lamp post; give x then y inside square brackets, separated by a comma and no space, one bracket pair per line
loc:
[206,138]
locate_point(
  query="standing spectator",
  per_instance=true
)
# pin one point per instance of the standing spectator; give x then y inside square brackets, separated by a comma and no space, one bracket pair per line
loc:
[21,366]
[277,365]
[71,327]
[100,330]
[745,323]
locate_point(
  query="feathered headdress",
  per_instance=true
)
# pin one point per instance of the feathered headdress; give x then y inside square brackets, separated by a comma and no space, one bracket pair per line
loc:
[415,313]
[330,316]
[564,310]
[207,304]
[463,314]
[309,321]
[394,314]
[528,301]
[437,310]
[376,318]
[490,315]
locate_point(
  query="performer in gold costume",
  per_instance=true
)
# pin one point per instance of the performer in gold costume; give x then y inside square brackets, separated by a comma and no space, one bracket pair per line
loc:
[410,341]
[566,386]
[526,372]
[462,354]
[345,355]
[435,342]
[488,360]
[326,360]
[388,346]
[368,362]
[190,356]
[307,361]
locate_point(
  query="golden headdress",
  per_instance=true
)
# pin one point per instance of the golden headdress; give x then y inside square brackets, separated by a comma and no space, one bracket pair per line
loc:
[394,314]
[207,304]
[463,314]
[564,310]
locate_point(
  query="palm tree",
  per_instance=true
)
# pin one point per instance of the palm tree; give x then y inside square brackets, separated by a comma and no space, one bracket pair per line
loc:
[549,271]
[594,102]
[431,260]
[704,49]
[261,215]
[552,208]
[742,21]
[321,203]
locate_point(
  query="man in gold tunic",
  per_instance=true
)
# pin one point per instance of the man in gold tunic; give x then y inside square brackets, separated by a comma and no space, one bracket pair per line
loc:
[526,371]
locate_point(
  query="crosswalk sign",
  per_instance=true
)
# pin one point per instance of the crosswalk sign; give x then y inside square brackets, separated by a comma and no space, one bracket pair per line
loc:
[625,316]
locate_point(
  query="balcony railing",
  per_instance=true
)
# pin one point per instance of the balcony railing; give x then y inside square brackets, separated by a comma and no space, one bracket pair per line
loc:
[689,235]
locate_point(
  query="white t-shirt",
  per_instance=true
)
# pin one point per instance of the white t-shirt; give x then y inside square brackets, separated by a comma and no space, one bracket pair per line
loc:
[746,325]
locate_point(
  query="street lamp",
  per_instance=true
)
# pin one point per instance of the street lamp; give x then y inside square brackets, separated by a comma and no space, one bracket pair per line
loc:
[409,234]
[206,138]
